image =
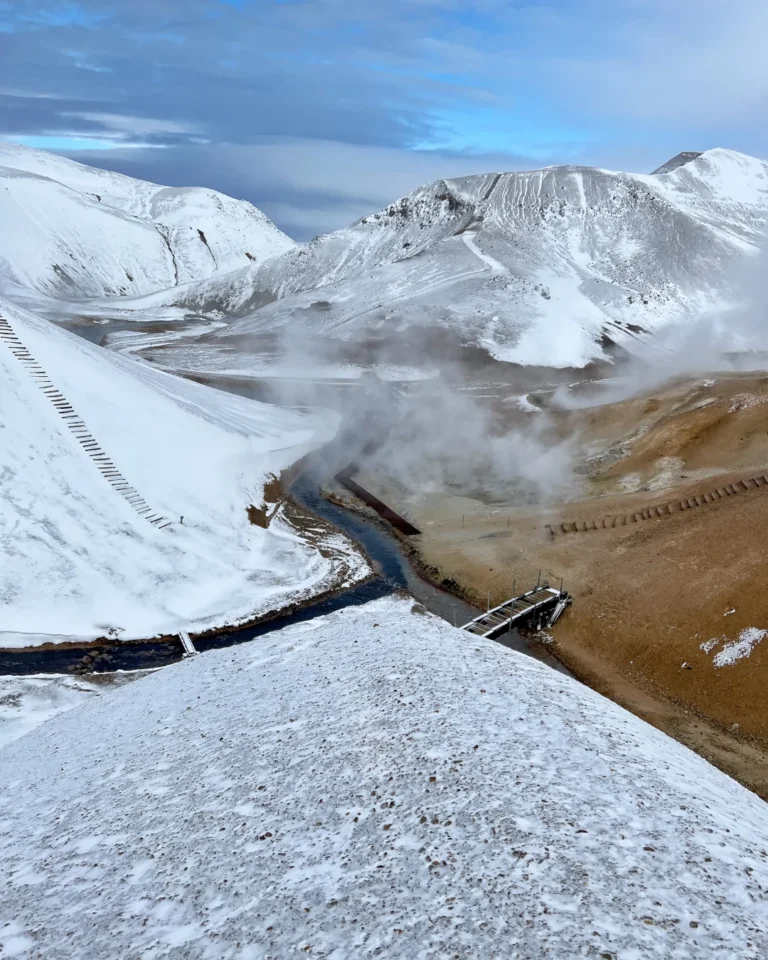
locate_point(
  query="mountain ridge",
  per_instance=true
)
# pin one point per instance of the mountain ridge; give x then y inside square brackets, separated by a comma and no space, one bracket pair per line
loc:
[544,267]
[77,231]
[536,267]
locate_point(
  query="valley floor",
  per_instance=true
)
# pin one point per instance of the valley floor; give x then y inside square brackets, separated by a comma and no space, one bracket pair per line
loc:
[660,604]
[669,613]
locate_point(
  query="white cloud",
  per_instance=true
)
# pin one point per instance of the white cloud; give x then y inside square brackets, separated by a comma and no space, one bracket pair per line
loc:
[122,125]
[371,173]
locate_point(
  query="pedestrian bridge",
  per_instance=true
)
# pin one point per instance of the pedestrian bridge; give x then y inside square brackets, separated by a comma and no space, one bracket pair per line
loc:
[542,606]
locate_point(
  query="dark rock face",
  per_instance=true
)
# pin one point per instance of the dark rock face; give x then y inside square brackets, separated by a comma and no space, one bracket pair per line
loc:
[679,161]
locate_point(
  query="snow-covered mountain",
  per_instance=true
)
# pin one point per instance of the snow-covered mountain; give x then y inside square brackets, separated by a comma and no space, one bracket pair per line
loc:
[125,491]
[72,231]
[372,784]
[535,266]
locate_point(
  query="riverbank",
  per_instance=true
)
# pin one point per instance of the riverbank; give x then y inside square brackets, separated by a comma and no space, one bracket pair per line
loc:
[431,575]
[669,613]
[106,654]
[605,641]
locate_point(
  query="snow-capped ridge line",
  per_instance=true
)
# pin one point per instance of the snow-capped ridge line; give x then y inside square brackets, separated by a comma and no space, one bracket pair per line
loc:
[73,231]
[78,428]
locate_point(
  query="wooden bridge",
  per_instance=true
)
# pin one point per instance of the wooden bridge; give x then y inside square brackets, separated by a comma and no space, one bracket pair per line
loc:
[543,604]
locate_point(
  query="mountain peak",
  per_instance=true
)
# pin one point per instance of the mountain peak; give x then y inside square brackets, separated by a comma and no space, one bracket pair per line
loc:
[679,161]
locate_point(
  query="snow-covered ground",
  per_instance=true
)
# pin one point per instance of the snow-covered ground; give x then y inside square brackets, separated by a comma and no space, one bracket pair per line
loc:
[26,702]
[533,266]
[77,559]
[732,651]
[71,231]
[224,360]
[373,783]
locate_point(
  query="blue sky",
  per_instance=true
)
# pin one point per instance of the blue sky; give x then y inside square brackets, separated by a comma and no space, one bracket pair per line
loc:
[319,111]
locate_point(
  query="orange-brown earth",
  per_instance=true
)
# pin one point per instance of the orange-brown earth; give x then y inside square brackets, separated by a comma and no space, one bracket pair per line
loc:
[649,594]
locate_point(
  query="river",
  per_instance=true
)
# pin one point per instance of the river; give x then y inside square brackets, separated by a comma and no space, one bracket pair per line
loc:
[392,568]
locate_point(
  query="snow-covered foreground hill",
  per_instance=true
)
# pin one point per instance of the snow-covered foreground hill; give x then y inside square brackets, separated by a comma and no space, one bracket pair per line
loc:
[70,231]
[26,702]
[373,783]
[78,555]
[534,266]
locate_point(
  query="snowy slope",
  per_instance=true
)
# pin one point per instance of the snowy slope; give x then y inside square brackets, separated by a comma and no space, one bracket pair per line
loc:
[77,559]
[26,702]
[69,230]
[534,266]
[374,783]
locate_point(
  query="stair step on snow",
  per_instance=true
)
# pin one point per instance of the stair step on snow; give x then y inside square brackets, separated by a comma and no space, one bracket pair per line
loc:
[187,645]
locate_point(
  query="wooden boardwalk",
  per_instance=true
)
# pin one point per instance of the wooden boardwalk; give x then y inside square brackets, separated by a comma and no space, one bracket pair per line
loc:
[543,599]
[386,513]
[662,510]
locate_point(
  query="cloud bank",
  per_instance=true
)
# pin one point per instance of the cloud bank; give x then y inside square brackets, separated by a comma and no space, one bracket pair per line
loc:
[294,97]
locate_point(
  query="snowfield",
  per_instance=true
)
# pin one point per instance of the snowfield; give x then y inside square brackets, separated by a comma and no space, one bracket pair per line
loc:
[372,783]
[76,559]
[26,702]
[536,267]
[71,231]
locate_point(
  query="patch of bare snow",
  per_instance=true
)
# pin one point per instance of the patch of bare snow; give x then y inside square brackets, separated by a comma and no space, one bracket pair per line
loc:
[739,649]
[397,373]
[525,404]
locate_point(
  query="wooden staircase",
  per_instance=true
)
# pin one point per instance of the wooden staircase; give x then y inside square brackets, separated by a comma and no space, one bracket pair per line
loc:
[78,428]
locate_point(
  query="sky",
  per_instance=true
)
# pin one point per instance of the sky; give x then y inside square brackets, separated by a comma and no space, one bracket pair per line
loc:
[320,111]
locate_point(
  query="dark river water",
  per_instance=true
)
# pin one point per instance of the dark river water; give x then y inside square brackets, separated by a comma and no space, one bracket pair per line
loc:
[393,572]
